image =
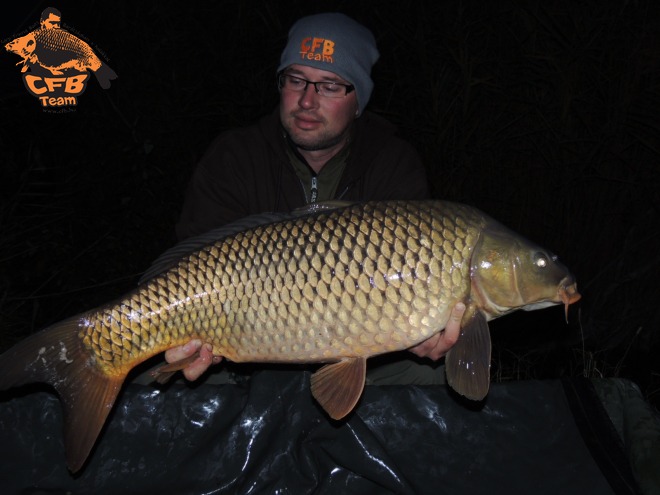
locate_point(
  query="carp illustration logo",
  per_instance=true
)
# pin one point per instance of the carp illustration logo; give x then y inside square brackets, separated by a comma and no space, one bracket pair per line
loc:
[56,63]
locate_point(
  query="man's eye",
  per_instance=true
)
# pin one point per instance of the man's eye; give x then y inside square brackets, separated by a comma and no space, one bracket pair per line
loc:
[331,88]
[294,81]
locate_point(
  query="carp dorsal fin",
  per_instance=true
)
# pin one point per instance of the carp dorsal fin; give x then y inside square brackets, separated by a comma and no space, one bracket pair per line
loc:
[170,257]
[467,363]
[322,206]
[338,386]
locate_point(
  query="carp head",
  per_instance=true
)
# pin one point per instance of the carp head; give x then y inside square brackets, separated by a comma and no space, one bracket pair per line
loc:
[508,273]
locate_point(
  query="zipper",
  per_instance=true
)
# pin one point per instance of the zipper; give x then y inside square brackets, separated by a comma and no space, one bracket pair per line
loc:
[315,190]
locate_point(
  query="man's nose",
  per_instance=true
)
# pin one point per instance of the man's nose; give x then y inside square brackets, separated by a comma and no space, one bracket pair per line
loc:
[309,97]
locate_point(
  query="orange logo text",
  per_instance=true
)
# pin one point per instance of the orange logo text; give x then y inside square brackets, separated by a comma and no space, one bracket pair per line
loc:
[317,49]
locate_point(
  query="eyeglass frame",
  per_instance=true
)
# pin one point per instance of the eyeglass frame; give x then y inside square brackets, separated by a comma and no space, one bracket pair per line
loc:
[348,87]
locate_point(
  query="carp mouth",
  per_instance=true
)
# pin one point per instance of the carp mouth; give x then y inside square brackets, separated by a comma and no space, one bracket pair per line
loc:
[568,293]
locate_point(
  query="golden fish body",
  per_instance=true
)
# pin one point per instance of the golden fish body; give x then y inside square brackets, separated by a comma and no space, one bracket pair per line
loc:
[358,281]
[57,50]
[60,50]
[335,286]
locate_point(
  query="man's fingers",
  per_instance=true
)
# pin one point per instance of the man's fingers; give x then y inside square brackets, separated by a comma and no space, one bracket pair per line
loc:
[181,352]
[453,327]
[428,347]
[439,344]
[206,355]
[197,368]
[457,312]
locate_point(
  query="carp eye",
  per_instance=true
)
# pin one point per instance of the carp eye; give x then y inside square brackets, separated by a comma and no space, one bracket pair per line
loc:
[540,260]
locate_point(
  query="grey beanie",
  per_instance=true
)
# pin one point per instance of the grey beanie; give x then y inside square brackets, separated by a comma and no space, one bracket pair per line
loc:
[336,43]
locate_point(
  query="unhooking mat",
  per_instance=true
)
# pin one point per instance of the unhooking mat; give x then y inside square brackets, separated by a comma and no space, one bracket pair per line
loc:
[269,437]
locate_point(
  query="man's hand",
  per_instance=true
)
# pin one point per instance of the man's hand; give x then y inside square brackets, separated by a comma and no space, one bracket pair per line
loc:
[197,368]
[434,348]
[437,346]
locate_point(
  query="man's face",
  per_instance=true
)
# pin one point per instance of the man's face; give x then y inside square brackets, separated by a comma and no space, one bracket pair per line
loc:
[316,122]
[52,22]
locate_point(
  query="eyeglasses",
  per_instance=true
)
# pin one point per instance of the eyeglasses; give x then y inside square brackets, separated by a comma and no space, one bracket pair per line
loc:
[324,88]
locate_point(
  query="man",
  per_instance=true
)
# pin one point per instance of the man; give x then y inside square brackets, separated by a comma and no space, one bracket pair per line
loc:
[50,18]
[320,144]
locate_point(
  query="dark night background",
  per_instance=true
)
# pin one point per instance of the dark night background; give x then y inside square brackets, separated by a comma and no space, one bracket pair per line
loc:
[544,114]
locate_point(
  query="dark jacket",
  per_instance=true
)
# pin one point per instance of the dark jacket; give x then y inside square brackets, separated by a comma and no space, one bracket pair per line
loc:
[247,171]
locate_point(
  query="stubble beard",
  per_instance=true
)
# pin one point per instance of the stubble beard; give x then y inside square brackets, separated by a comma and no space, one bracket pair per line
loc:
[322,141]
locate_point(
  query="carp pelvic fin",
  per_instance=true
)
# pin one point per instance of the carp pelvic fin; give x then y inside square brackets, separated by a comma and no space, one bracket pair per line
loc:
[56,356]
[338,386]
[468,362]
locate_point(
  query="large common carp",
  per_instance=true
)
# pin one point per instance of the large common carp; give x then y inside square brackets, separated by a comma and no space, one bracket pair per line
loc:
[332,286]
[57,50]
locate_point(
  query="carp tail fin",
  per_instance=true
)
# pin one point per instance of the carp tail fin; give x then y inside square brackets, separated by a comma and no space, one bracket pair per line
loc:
[57,356]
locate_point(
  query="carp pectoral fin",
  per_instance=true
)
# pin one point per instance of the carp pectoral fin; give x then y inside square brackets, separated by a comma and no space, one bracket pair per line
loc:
[58,357]
[338,386]
[163,373]
[467,363]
